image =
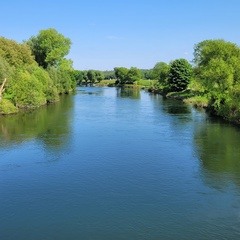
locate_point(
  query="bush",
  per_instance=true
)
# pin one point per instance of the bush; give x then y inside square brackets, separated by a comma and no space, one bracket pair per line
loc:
[7,107]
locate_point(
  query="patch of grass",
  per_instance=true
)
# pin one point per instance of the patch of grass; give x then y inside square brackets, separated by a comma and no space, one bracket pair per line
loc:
[145,83]
[106,83]
[198,101]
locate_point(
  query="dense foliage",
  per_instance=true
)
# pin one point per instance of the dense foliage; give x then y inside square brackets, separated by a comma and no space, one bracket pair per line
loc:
[213,81]
[49,47]
[160,72]
[179,76]
[33,83]
[217,68]
[127,76]
[37,72]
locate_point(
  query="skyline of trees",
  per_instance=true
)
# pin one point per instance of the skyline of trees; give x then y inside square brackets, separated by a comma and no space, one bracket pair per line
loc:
[37,71]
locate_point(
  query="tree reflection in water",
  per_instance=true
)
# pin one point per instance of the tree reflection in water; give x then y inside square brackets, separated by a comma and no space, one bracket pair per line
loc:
[39,124]
[217,147]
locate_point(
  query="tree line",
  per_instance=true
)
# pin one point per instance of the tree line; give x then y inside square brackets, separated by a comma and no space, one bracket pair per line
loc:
[211,80]
[36,72]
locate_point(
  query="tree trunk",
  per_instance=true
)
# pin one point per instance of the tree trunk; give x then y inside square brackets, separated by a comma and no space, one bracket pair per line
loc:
[2,89]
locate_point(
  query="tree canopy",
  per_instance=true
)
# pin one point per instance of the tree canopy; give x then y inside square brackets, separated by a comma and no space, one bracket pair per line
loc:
[160,72]
[217,68]
[49,47]
[14,53]
[127,76]
[180,74]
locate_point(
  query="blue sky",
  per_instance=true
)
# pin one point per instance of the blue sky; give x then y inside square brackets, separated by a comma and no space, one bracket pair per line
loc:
[139,33]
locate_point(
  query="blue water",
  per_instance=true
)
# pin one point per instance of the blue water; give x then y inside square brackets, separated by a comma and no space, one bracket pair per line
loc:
[107,163]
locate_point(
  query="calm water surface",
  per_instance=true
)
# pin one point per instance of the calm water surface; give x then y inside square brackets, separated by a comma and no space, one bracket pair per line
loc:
[111,164]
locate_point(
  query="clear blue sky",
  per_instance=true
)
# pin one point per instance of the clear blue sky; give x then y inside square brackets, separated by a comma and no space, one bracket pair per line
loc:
[107,33]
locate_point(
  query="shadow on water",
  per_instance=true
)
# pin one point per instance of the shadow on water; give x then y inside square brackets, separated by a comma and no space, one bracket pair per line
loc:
[132,93]
[178,113]
[217,147]
[174,107]
[48,124]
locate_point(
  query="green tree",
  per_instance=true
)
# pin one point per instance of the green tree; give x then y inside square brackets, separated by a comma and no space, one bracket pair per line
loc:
[49,47]
[27,90]
[109,75]
[99,75]
[217,68]
[78,76]
[14,53]
[121,74]
[6,70]
[91,74]
[160,72]
[133,75]
[180,73]
[48,87]
[147,73]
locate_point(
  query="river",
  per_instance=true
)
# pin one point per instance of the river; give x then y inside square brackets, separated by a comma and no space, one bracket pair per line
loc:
[109,163]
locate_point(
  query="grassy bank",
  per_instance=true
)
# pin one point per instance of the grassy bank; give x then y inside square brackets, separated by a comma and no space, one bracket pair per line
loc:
[143,83]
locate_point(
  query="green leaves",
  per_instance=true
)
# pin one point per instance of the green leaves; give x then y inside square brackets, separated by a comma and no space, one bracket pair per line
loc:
[218,70]
[180,74]
[28,91]
[160,72]
[14,53]
[127,76]
[49,47]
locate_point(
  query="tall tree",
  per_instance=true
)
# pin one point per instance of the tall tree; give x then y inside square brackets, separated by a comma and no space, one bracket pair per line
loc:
[160,72]
[180,74]
[217,68]
[49,47]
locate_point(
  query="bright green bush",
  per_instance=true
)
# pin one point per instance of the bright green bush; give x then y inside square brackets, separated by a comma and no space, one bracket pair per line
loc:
[27,90]
[7,107]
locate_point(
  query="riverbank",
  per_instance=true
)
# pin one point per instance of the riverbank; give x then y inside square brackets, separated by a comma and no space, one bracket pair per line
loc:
[8,108]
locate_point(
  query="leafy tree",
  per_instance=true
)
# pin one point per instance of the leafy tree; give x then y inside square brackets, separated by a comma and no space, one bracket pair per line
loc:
[14,53]
[28,90]
[121,74]
[133,75]
[147,73]
[99,75]
[160,72]
[180,73]
[49,47]
[48,87]
[61,79]
[91,74]
[210,49]
[78,76]
[6,70]
[109,75]
[217,68]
